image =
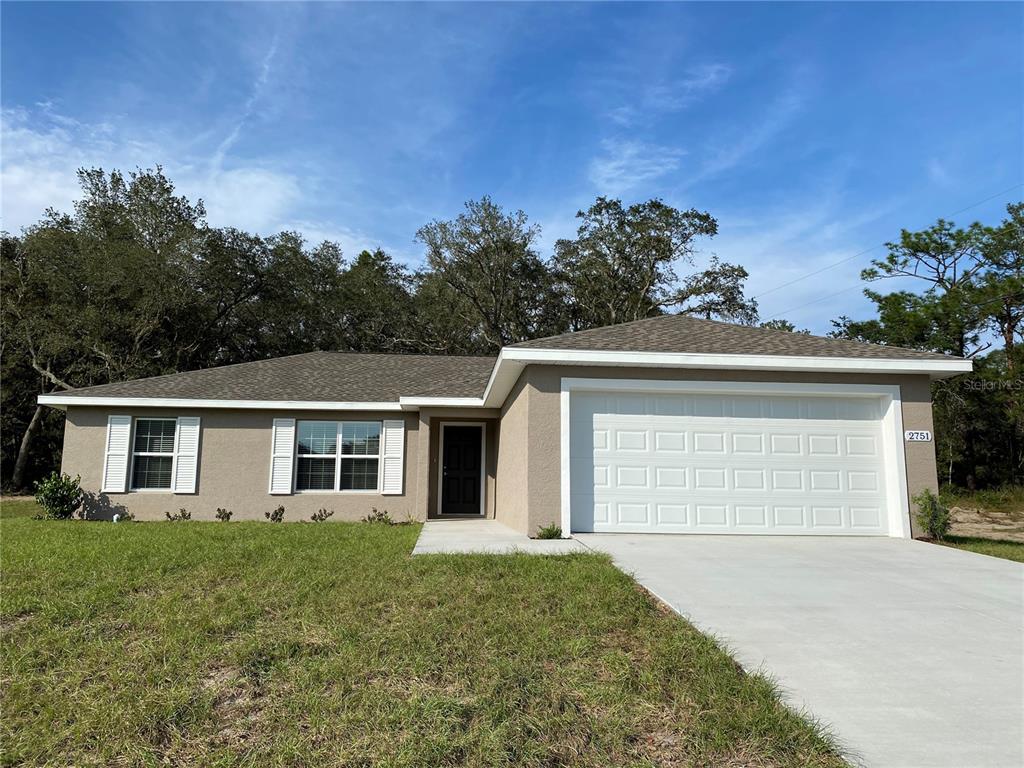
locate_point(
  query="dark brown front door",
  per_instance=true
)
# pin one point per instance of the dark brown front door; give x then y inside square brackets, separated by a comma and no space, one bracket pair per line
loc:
[461,470]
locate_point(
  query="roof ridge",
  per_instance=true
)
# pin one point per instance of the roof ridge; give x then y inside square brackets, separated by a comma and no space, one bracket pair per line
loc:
[595,328]
[840,339]
[682,332]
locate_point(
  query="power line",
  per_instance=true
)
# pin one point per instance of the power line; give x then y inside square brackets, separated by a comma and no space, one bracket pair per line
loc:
[875,247]
[851,287]
[816,301]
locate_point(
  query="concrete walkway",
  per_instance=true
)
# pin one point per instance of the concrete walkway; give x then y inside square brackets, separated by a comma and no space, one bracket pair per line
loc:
[912,653]
[485,537]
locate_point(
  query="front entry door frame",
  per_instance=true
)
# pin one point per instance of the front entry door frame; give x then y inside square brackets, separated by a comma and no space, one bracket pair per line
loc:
[483,464]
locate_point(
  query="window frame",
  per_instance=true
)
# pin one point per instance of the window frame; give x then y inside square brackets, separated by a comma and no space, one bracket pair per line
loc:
[132,488]
[338,457]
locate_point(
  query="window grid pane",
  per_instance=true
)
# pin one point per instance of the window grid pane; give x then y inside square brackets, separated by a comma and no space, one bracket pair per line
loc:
[318,437]
[358,474]
[154,435]
[151,472]
[315,474]
[360,438]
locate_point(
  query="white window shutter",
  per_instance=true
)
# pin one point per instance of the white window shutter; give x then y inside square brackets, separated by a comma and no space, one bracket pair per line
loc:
[393,457]
[116,454]
[186,455]
[282,450]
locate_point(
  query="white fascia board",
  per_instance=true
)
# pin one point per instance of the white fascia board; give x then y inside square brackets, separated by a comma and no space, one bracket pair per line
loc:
[512,360]
[175,402]
[504,376]
[934,367]
[415,403]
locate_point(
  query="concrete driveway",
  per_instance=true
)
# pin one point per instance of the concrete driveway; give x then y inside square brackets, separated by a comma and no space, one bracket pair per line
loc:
[913,654]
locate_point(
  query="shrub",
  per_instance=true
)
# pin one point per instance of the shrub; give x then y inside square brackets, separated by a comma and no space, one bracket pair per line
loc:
[549,532]
[59,495]
[932,514]
[123,517]
[320,515]
[378,517]
[224,515]
[276,516]
[180,515]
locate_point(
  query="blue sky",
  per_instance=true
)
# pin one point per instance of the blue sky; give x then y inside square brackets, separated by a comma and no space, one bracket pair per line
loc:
[811,131]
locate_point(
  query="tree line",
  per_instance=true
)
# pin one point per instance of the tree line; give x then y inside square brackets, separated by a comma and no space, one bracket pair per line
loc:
[135,282]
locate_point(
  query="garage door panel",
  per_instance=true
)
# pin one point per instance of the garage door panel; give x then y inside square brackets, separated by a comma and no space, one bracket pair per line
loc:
[726,464]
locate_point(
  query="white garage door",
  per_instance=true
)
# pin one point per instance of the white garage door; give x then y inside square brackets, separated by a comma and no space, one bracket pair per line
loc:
[708,463]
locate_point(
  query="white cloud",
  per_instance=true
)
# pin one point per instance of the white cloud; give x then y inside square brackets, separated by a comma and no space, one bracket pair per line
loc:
[777,118]
[258,86]
[938,173]
[41,156]
[625,164]
[671,95]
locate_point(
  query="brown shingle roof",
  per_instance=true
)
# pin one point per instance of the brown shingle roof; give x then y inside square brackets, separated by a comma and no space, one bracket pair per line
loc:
[316,376]
[358,377]
[683,334]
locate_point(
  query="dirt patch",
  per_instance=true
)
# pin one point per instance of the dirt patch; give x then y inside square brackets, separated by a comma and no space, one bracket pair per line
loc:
[13,622]
[235,704]
[986,524]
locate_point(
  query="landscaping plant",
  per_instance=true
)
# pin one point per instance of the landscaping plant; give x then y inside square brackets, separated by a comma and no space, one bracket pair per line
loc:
[932,515]
[320,515]
[549,532]
[59,495]
[181,515]
[276,516]
[376,516]
[224,515]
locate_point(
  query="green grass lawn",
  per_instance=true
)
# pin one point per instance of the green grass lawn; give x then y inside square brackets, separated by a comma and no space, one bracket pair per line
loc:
[257,644]
[1008,550]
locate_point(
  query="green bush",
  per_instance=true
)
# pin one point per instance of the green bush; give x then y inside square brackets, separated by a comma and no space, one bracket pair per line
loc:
[277,516]
[224,515]
[320,515]
[181,515]
[59,495]
[932,514]
[549,532]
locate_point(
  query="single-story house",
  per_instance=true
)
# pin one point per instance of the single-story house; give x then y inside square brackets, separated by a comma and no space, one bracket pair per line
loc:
[666,425]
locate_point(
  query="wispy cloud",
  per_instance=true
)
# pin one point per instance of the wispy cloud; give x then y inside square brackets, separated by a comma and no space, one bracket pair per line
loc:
[765,127]
[672,94]
[43,150]
[258,86]
[938,173]
[625,164]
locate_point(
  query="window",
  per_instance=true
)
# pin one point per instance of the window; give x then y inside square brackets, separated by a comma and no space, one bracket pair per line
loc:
[360,440]
[317,452]
[337,455]
[153,453]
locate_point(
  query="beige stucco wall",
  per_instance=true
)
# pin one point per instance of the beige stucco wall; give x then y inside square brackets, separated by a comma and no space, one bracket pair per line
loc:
[513,468]
[539,389]
[234,465]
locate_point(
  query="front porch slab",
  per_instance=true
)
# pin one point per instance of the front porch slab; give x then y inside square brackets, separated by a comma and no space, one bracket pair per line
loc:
[487,537]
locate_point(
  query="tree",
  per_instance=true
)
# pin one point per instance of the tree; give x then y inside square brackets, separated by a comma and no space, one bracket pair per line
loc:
[717,292]
[135,284]
[621,266]
[1000,289]
[487,258]
[376,298]
[779,324]
[973,296]
[947,260]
